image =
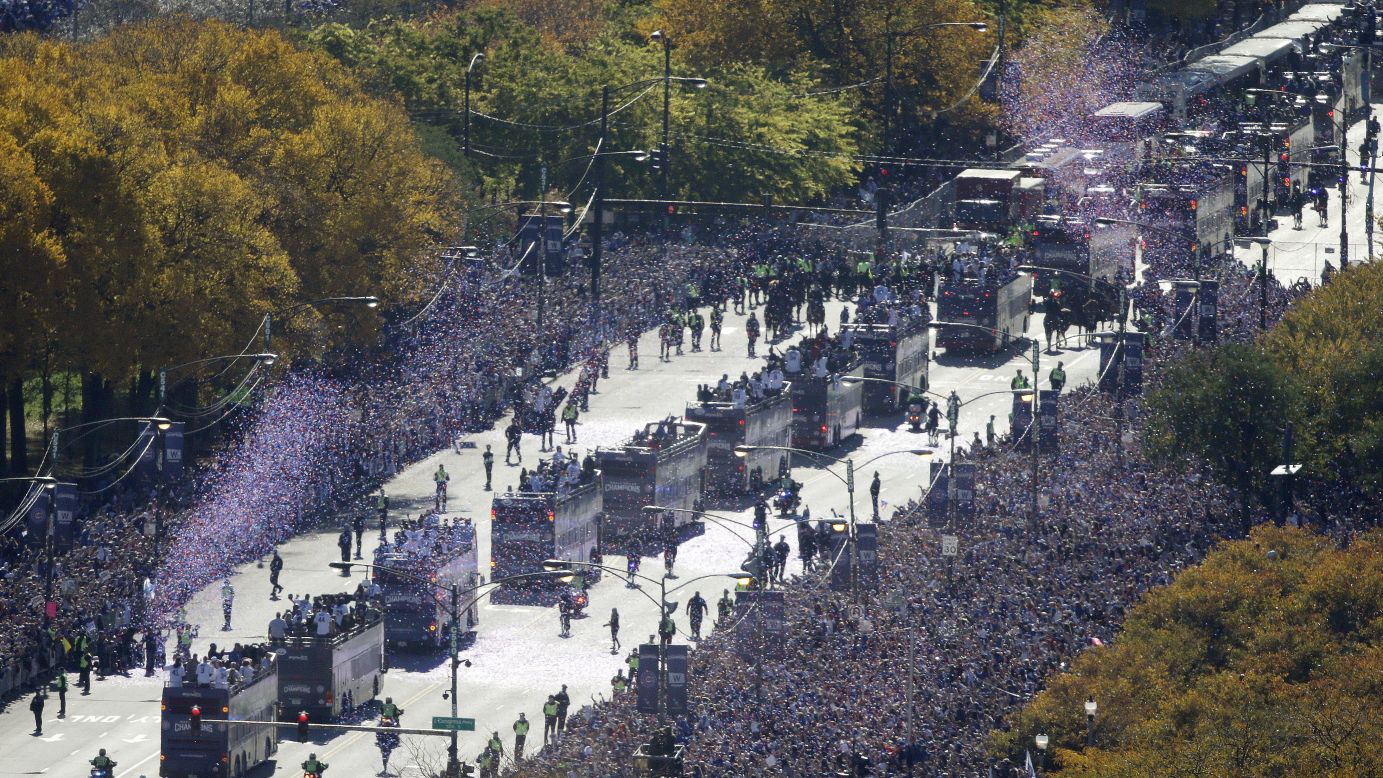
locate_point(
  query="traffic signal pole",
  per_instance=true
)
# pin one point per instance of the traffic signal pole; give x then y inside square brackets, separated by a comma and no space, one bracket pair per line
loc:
[453,764]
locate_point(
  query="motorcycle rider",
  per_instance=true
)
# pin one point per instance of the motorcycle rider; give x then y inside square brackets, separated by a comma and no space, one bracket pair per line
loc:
[313,766]
[103,762]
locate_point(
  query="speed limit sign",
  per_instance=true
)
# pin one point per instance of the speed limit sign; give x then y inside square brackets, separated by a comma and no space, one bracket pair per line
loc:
[950,544]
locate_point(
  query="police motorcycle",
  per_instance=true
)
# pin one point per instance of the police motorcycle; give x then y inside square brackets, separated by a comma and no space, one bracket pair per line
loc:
[313,768]
[785,497]
[575,599]
[917,412]
[102,766]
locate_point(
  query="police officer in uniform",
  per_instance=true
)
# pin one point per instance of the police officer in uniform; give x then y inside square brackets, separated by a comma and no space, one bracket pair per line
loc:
[520,735]
[549,719]
[1058,377]
[103,762]
[390,711]
[314,766]
[60,686]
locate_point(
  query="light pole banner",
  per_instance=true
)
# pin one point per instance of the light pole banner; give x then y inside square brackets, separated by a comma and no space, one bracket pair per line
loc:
[677,667]
[1133,363]
[868,538]
[1046,413]
[940,479]
[147,445]
[173,450]
[1209,313]
[65,514]
[1109,373]
[647,683]
[1184,301]
[38,515]
[965,489]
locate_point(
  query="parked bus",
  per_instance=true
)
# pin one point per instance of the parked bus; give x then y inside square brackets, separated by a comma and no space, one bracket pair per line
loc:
[222,750]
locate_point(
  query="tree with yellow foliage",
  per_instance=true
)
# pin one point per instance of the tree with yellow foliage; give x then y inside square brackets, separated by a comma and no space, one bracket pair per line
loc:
[166,185]
[1264,660]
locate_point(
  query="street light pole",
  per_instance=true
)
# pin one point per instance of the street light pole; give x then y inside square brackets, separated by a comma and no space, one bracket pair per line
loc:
[664,157]
[466,114]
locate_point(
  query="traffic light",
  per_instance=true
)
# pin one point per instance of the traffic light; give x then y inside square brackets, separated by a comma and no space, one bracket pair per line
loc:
[883,198]
[196,718]
[302,726]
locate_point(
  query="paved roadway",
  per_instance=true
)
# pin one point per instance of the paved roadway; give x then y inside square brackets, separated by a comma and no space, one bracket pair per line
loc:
[518,658]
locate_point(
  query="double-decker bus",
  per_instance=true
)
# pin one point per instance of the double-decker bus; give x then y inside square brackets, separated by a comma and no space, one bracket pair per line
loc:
[765,422]
[826,410]
[323,674]
[415,578]
[663,464]
[529,527]
[991,315]
[898,354]
[215,749]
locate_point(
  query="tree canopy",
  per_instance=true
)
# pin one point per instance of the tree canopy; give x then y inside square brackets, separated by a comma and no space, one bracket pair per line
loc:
[538,105]
[166,185]
[1265,660]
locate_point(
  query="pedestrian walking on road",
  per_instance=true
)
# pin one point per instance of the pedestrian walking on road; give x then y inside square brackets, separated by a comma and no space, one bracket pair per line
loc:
[343,541]
[874,487]
[382,507]
[751,329]
[520,735]
[563,703]
[275,567]
[228,595]
[613,624]
[36,707]
[632,340]
[512,435]
[442,477]
[717,321]
[358,524]
[488,460]
[696,611]
[60,686]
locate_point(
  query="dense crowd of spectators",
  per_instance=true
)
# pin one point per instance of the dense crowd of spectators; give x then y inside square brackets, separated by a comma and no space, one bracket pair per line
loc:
[983,629]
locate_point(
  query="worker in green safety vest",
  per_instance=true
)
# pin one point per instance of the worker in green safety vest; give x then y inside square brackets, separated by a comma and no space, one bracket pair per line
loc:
[520,735]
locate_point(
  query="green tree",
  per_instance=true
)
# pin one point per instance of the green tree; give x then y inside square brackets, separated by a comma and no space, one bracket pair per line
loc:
[1227,406]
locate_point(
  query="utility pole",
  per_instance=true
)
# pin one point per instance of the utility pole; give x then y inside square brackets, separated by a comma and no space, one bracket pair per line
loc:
[1267,228]
[1036,426]
[1344,191]
[853,539]
[664,157]
[542,247]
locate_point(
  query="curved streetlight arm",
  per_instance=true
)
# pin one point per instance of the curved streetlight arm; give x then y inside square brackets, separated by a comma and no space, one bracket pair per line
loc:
[919,452]
[833,460]
[696,83]
[266,358]
[918,30]
[722,520]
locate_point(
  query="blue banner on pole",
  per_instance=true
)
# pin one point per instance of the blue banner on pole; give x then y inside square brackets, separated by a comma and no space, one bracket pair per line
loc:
[147,446]
[64,514]
[677,667]
[1133,363]
[867,535]
[1047,439]
[38,514]
[1184,310]
[1021,429]
[647,683]
[940,480]
[1209,312]
[965,489]
[1109,366]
